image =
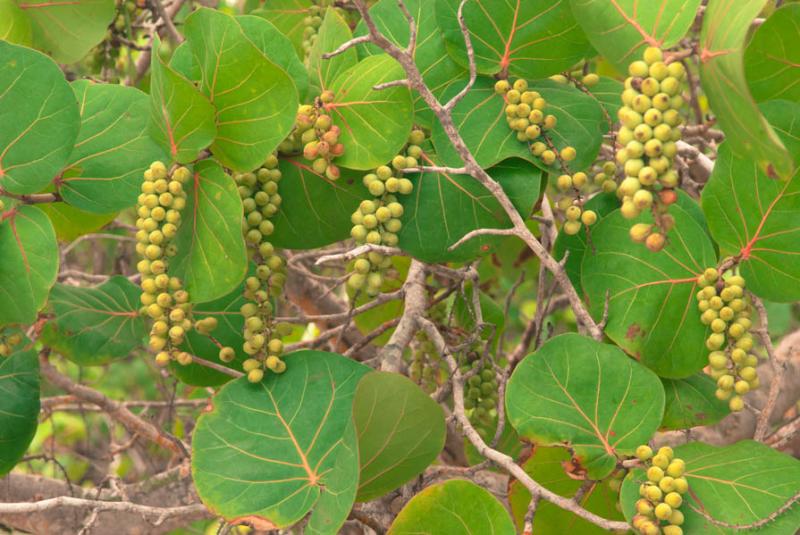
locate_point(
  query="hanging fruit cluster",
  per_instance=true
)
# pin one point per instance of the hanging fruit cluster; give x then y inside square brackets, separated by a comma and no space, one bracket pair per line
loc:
[261,201]
[480,396]
[658,509]
[316,137]
[727,311]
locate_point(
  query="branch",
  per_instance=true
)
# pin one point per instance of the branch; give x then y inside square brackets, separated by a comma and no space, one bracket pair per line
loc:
[692,153]
[762,424]
[32,198]
[483,232]
[355,41]
[473,71]
[391,354]
[358,251]
[158,513]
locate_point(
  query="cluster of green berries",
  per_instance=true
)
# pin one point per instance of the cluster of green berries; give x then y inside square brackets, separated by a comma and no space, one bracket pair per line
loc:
[163,298]
[8,342]
[658,509]
[724,307]
[526,115]
[604,176]
[262,342]
[587,80]
[649,120]
[480,397]
[311,23]
[318,138]
[426,363]
[571,203]
[377,220]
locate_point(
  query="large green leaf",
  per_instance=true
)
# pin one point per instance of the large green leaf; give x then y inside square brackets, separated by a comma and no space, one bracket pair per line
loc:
[69,222]
[181,118]
[722,40]
[738,484]
[333,32]
[756,217]
[15,25]
[104,171]
[772,57]
[443,208]
[270,452]
[546,465]
[620,29]
[255,99]
[288,16]
[588,395]
[401,431]
[93,326]
[276,46]
[19,406]
[375,124]
[691,402]
[211,257]
[652,311]
[40,119]
[229,332]
[29,265]
[67,30]
[526,39]
[315,210]
[481,121]
[437,67]
[455,507]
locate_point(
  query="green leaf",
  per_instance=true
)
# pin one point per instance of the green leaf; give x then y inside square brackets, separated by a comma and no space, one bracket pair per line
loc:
[621,29]
[758,218]
[268,453]
[104,171]
[481,121]
[722,40]
[67,30]
[333,32]
[277,47]
[255,99]
[587,394]
[211,259]
[439,70]
[40,119]
[19,406]
[738,484]
[546,465]
[315,210]
[691,402]
[607,92]
[15,25]
[772,59]
[455,507]
[401,431]
[652,311]
[30,263]
[374,124]
[94,326]
[229,332]
[443,208]
[70,223]
[526,39]
[287,16]
[181,118]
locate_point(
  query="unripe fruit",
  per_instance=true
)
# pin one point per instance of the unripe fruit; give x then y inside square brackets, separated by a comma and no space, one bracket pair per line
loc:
[255,376]
[644,452]
[655,242]
[663,511]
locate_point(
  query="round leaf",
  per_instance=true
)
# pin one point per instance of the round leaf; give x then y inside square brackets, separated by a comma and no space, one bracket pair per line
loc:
[288,16]
[443,208]
[587,394]
[19,406]
[691,402]
[620,29]
[15,25]
[481,121]
[738,484]
[181,118]
[255,99]
[270,452]
[455,507]
[652,310]
[211,257]
[93,326]
[30,263]
[315,210]
[104,171]
[374,124]
[401,431]
[756,217]
[333,32]
[526,39]
[70,223]
[40,119]
[772,59]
